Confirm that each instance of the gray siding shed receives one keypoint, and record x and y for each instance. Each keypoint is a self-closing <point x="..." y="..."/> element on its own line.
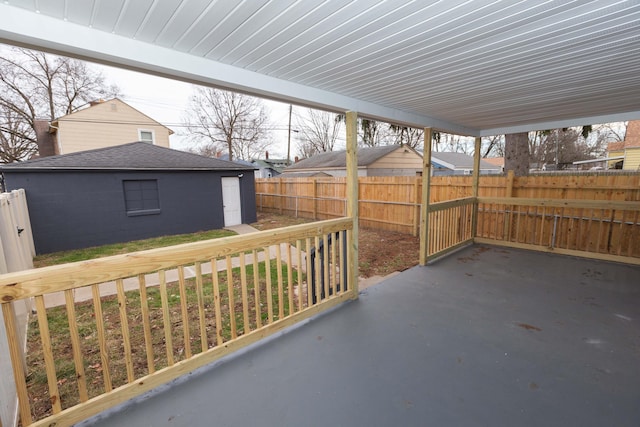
<point x="78" y="200"/>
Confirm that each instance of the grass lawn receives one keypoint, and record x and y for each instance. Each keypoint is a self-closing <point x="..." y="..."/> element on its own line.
<point x="64" y="257"/>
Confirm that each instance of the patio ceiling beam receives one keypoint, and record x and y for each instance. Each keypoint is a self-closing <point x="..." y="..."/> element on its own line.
<point x="32" y="30"/>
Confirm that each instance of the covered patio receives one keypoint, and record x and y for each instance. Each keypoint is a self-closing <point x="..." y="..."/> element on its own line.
<point x="489" y="336"/>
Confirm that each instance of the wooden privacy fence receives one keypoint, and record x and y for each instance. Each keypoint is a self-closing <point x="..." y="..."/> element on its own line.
<point x="16" y="240"/>
<point x="393" y="203"/>
<point x="155" y="315"/>
<point x="16" y="253"/>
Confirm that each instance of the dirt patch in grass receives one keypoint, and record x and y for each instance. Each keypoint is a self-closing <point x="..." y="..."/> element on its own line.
<point x="381" y="252"/>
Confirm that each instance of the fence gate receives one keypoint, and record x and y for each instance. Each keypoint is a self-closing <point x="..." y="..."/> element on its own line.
<point x="16" y="253"/>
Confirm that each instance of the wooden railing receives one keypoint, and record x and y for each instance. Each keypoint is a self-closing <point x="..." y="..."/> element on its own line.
<point x="128" y="323"/>
<point x="450" y="226"/>
<point x="608" y="230"/>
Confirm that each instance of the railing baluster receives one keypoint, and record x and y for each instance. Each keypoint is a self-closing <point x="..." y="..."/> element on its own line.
<point x="598" y="244"/>
<point x="325" y="259"/>
<point x="256" y="288"/>
<point x="232" y="299"/>
<point x="245" y="294"/>
<point x="17" y="362"/>
<point x="124" y="327"/>
<point x="280" y="284"/>
<point x="47" y="351"/>
<point x="269" y="290"/>
<point x="542" y="221"/>
<point x="166" y="317"/>
<point x="299" y="267"/>
<point x="204" y="342"/>
<point x="146" y="324"/>
<point x="102" y="341"/>
<point x="75" y="345"/>
<point x="623" y="222"/>
<point x="309" y="271"/>
<point x="334" y="270"/>
<point x="215" y="279"/>
<point x="318" y="271"/>
<point x="634" y="227"/>
<point x="184" y="309"/>
<point x="290" y="279"/>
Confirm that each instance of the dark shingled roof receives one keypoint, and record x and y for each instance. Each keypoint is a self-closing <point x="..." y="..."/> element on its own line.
<point x="338" y="159"/>
<point x="132" y="156"/>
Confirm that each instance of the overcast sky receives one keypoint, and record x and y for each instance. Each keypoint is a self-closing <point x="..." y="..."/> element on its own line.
<point x="165" y="100"/>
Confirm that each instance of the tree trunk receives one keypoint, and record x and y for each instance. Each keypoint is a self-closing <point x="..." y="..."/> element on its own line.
<point x="516" y="153"/>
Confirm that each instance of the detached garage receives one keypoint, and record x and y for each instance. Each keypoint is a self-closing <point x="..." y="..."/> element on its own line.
<point x="129" y="192"/>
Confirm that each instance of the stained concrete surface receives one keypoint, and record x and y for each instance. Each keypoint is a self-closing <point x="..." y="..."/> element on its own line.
<point x="486" y="337"/>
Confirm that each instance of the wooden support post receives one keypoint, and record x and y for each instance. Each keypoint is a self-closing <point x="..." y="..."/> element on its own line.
<point x="476" y="182"/>
<point x="426" y="190"/>
<point x="352" y="200"/>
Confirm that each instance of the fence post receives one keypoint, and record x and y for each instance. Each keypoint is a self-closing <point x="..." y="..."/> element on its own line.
<point x="314" y="194"/>
<point x="281" y="193"/>
<point x="509" y="187"/>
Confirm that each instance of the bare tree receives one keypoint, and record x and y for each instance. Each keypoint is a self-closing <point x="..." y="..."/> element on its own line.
<point x="493" y="146"/>
<point x="454" y="143"/>
<point x="371" y="133"/>
<point x="318" y="131"/>
<point x="12" y="147"/>
<point x="230" y="121"/>
<point x="35" y="85"/>
<point x="412" y="137"/>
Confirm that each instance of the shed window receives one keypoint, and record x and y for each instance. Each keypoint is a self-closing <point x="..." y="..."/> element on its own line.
<point x="141" y="197"/>
<point x="146" y="136"/>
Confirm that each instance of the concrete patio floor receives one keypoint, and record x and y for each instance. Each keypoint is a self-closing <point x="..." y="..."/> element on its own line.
<point x="486" y="337"/>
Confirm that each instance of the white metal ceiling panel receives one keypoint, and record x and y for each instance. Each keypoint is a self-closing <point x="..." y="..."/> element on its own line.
<point x="78" y="11"/>
<point x="468" y="66"/>
<point x="106" y="14"/>
<point x="132" y="17"/>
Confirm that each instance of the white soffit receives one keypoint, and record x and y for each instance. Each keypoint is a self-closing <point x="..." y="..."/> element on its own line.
<point x="475" y="67"/>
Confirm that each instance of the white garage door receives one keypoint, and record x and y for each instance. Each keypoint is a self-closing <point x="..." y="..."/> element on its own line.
<point x="231" y="201"/>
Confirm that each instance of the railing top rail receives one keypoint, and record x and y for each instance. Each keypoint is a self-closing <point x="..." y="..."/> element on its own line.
<point x="451" y="203"/>
<point x="563" y="203"/>
<point x="28" y="283"/>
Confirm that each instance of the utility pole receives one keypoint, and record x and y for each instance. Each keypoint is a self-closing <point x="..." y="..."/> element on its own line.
<point x="289" y="138"/>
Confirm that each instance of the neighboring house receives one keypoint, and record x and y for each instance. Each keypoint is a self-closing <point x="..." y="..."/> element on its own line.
<point x="128" y="192"/>
<point x="625" y="155"/>
<point x="449" y="163"/>
<point x="269" y="168"/>
<point x="495" y="161"/>
<point x="377" y="161"/>
<point x="101" y="124"/>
